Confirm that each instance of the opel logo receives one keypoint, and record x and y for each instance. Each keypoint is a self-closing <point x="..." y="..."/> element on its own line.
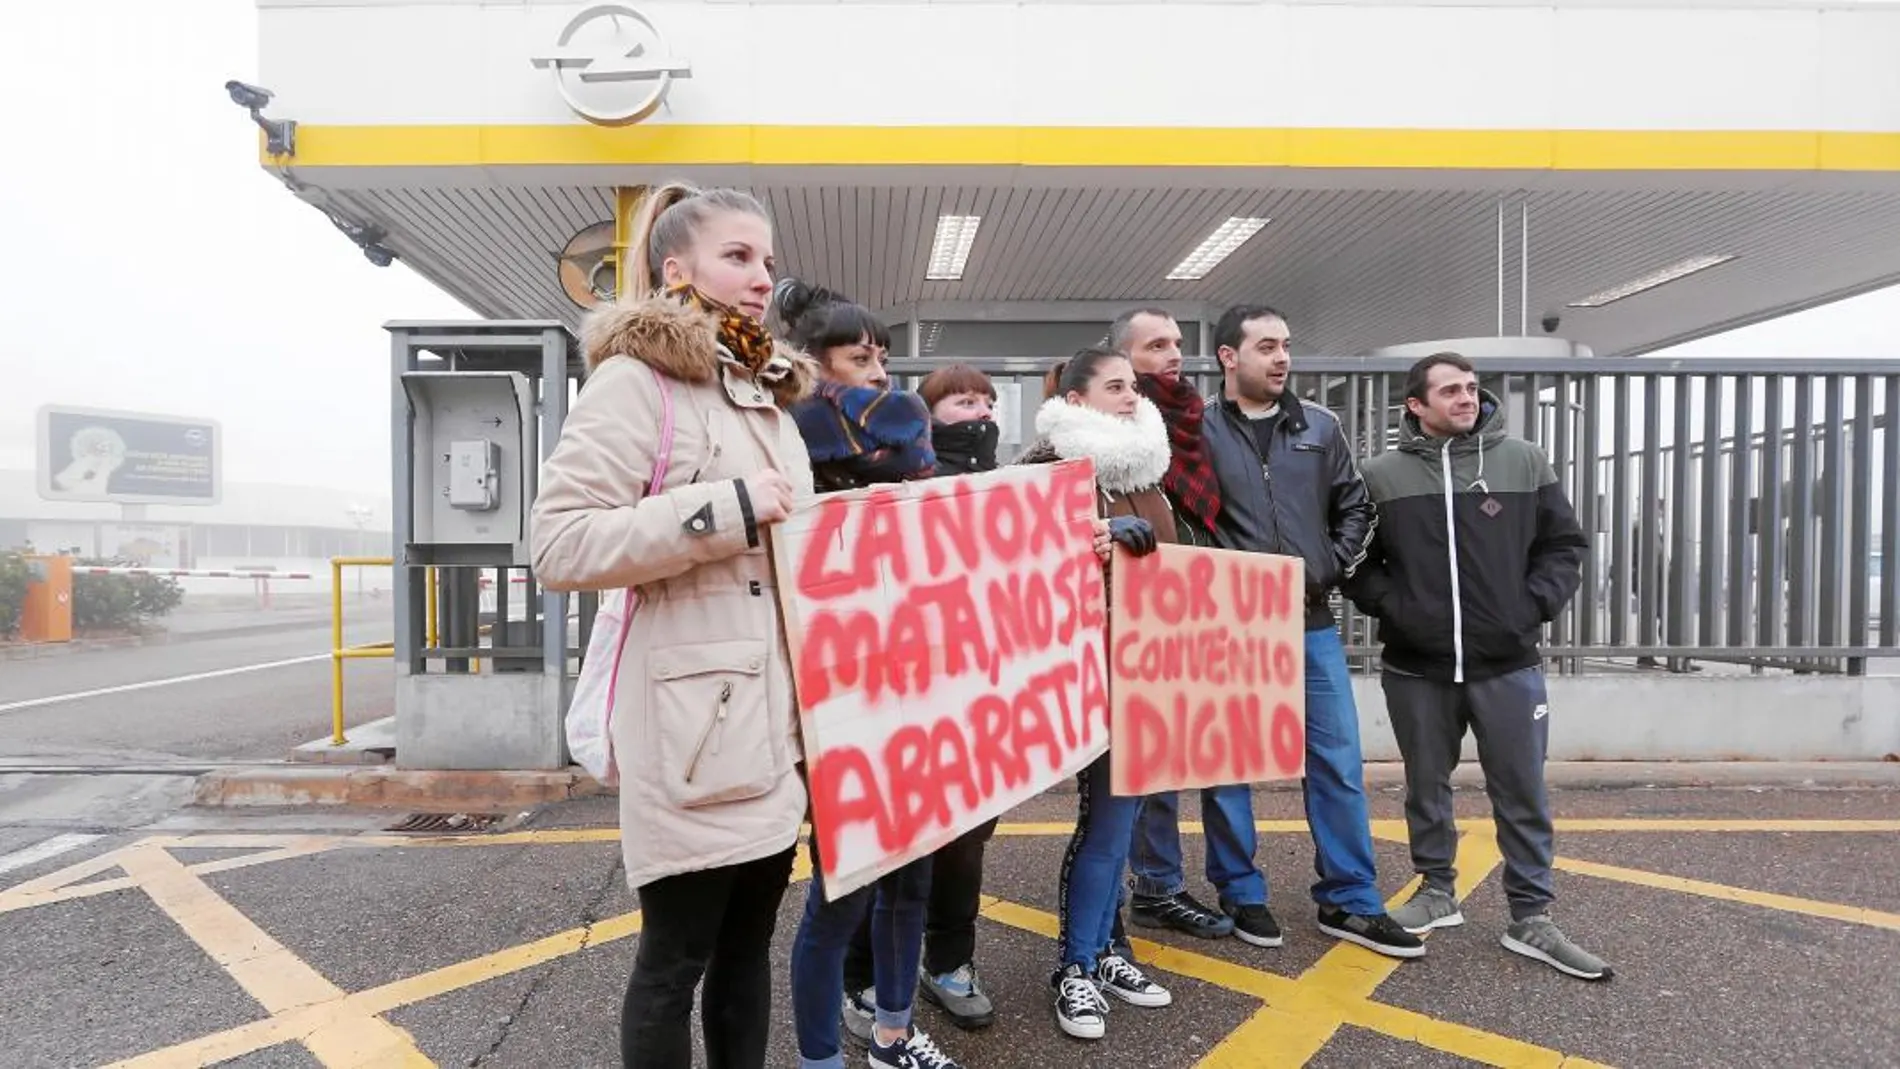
<point x="633" y="53"/>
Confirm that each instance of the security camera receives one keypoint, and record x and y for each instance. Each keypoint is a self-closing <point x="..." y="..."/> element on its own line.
<point x="280" y="135"/>
<point x="247" y="96"/>
<point x="1551" y="321"/>
<point x="378" y="255"/>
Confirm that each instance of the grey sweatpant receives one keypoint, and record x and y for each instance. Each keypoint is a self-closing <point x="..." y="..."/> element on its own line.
<point x="1510" y="715"/>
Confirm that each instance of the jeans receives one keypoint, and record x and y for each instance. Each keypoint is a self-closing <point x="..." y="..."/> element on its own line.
<point x="1335" y="796"/>
<point x="956" y="893"/>
<point x="896" y="905"/>
<point x="716" y="923"/>
<point x="1090" y="888"/>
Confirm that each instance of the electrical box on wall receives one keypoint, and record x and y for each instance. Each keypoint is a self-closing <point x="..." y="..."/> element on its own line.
<point x="474" y="449"/>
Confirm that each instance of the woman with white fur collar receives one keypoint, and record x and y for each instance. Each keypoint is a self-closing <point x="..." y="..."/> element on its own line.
<point x="1093" y="411"/>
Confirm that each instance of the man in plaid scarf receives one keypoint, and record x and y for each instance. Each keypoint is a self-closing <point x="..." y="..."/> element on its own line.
<point x="1151" y="340"/>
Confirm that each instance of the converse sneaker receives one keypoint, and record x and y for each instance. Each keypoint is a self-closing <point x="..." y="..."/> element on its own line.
<point x="1116" y="976"/>
<point x="860" y="1013"/>
<point x="1254" y="923"/>
<point x="1428" y="908"/>
<point x="915" y="1051"/>
<point x="960" y="995"/>
<point x="1081" y="1011"/>
<point x="1377" y="932"/>
<point x="1182" y="913"/>
<point x="1539" y="939"/>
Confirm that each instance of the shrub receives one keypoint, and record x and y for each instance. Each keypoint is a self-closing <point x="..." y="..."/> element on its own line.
<point x="13" y="572"/>
<point x="121" y="601"/>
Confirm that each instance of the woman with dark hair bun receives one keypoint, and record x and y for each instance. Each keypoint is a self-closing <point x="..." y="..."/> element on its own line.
<point x="858" y="430"/>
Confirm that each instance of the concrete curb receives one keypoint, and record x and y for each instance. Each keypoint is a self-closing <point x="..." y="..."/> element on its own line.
<point x="156" y="638"/>
<point x="1629" y="775"/>
<point x="392" y="788"/>
<point x="496" y="791"/>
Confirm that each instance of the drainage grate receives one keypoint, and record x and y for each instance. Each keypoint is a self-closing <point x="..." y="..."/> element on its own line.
<point x="448" y="823"/>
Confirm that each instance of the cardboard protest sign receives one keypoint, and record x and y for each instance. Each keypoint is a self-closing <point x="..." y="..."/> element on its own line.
<point x="1207" y="669"/>
<point x="948" y="648"/>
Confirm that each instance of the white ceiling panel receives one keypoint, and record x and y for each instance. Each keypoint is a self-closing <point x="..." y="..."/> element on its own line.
<point x="1354" y="269"/>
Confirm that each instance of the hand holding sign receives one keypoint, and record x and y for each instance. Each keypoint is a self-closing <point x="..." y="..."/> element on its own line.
<point x="771" y="495"/>
<point x="1206" y="669"/>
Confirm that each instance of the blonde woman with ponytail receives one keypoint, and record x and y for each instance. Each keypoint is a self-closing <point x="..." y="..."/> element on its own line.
<point x="704" y="724"/>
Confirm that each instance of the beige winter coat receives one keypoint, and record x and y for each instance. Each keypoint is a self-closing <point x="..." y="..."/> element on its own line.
<point x="705" y="730"/>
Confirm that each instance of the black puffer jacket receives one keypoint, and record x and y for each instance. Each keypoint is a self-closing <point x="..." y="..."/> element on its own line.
<point x="1305" y="499"/>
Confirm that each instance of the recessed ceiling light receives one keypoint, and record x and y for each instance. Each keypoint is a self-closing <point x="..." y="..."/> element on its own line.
<point x="1655" y="278"/>
<point x="950" y="249"/>
<point x="1218" y="246"/>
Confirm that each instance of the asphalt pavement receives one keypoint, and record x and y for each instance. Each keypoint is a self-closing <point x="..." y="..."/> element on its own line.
<point x="1748" y="928"/>
<point x="143" y="720"/>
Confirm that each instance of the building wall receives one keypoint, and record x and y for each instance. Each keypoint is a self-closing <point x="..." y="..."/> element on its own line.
<point x="1288" y="66"/>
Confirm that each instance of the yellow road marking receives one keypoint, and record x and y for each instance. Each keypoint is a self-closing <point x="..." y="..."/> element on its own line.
<point x="346" y="1026"/>
<point x="1344" y="977"/>
<point x="61" y="886"/>
<point x="285" y="1027"/>
<point x="1786" y="903"/>
<point x="1292" y="1005"/>
<point x="1805" y="826"/>
<point x="278" y="979"/>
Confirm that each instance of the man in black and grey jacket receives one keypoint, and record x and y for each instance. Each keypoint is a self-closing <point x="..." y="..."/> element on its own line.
<point x="1477" y="548"/>
<point x="1288" y="485"/>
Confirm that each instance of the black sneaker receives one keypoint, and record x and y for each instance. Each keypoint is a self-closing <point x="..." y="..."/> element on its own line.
<point x="1254" y="923"/>
<point x="1081" y="1011"/>
<point x="915" y="1051"/>
<point x="1378" y="933"/>
<point x="1119" y="977"/>
<point x="1182" y="913"/>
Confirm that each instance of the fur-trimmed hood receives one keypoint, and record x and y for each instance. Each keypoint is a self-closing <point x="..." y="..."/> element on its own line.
<point x="679" y="342"/>
<point x="1130" y="455"/>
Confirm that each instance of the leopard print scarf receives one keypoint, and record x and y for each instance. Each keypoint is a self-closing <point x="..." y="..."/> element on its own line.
<point x="747" y="341"/>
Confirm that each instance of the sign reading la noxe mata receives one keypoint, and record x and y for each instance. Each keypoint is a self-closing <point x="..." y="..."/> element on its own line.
<point x="1207" y="669"/>
<point x="948" y="648"/>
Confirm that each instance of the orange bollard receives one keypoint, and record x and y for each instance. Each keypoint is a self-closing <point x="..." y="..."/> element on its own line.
<point x="47" y="615"/>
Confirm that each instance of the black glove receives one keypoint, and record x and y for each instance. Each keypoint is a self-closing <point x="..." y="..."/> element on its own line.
<point x="1132" y="532"/>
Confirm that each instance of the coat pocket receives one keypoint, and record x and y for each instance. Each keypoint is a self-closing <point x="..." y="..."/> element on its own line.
<point x="712" y="718"/>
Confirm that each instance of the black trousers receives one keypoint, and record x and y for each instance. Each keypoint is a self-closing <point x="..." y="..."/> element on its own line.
<point x="716" y="924"/>
<point x="956" y="890"/>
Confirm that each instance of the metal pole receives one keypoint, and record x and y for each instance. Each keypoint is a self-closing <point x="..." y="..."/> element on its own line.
<point x="553" y="415"/>
<point x="1524" y="268"/>
<point x="402" y="509"/>
<point x="336" y="654"/>
<point x="1500" y="267"/>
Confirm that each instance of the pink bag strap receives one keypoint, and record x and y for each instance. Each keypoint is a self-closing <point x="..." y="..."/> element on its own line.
<point x="654" y="486"/>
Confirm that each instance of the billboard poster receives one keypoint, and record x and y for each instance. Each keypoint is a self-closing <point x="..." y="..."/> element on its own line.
<point x="128" y="458"/>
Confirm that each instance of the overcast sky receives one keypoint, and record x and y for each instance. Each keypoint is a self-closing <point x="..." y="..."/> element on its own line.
<point x="148" y="263"/>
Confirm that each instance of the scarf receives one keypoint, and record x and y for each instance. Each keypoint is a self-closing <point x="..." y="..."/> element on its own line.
<point x="745" y="340"/>
<point x="1190" y="480"/>
<point x="965" y="448"/>
<point x="1130" y="455"/>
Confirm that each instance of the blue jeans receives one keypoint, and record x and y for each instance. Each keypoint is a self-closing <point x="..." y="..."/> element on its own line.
<point x="1335" y="808"/>
<point x="1090" y="886"/>
<point x="897" y="906"/>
